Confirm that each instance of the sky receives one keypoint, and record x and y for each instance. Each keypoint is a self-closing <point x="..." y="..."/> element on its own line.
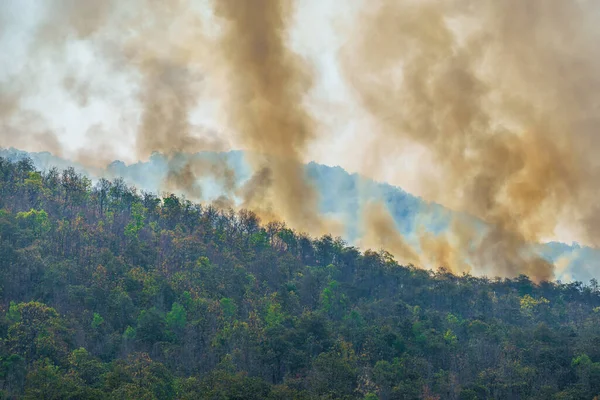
<point x="72" y="121"/>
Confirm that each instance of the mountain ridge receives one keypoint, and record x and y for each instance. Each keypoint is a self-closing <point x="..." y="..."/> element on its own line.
<point x="340" y="195"/>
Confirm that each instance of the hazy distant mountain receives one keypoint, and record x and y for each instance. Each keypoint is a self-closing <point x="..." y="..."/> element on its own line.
<point x="341" y="195"/>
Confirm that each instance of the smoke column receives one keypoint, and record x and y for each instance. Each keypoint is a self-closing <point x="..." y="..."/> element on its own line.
<point x="267" y="85"/>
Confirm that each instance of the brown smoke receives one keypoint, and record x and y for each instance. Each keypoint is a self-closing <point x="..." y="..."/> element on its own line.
<point x="159" y="48"/>
<point x="380" y="232"/>
<point x="503" y="94"/>
<point x="268" y="83"/>
<point x="185" y="178"/>
<point x="451" y="249"/>
<point x="21" y="128"/>
<point x="167" y="98"/>
<point x="254" y="190"/>
<point x="168" y="50"/>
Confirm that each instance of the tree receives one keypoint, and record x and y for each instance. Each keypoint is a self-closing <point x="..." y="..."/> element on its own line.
<point x="334" y="373"/>
<point x="38" y="333"/>
<point x="176" y="319"/>
<point x="150" y="326"/>
<point x="140" y="377"/>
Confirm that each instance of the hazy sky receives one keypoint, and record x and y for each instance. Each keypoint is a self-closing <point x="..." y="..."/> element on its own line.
<point x="116" y="110"/>
<point x="114" y="113"/>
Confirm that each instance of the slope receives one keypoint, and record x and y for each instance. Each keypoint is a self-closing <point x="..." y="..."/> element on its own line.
<point x="109" y="293"/>
<point x="341" y="196"/>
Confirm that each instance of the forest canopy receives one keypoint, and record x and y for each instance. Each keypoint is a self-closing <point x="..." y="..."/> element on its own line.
<point x="107" y="292"/>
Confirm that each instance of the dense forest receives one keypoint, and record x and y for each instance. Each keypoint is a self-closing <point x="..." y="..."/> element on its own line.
<point x="107" y="292"/>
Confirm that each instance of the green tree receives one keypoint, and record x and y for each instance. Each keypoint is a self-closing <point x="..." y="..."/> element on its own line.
<point x="38" y="333"/>
<point x="150" y="326"/>
<point x="35" y="220"/>
<point x="176" y="319"/>
<point x="97" y="321"/>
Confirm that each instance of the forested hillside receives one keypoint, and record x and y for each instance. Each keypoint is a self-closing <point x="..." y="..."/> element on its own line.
<point x="106" y="292"/>
<point x="342" y="196"/>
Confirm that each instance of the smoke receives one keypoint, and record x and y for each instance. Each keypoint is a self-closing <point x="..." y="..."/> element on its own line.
<point x="503" y="95"/>
<point x="155" y="51"/>
<point x="19" y="127"/>
<point x="162" y="57"/>
<point x="185" y="174"/>
<point x="23" y="128"/>
<point x="267" y="86"/>
<point x="380" y="232"/>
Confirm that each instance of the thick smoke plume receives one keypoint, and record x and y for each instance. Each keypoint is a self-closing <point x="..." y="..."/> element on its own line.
<point x="165" y="51"/>
<point x="504" y="96"/>
<point x="268" y="83"/>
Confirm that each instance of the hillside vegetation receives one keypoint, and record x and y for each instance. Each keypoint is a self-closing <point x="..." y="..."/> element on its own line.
<point x="106" y="292"/>
<point x="342" y="196"/>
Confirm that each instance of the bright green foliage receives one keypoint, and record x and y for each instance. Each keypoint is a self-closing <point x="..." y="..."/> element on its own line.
<point x="35" y="220"/>
<point x="108" y="293"/>
<point x="97" y="321"/>
<point x="333" y="300"/>
<point x="450" y="337"/>
<point x="176" y="319"/>
<point x="137" y="220"/>
<point x="259" y="240"/>
<point x="529" y="304"/>
<point x="129" y="333"/>
<point x="274" y="315"/>
<point x="581" y="361"/>
<point x="452" y="319"/>
<point x="14" y="312"/>
<point x="34" y="181"/>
